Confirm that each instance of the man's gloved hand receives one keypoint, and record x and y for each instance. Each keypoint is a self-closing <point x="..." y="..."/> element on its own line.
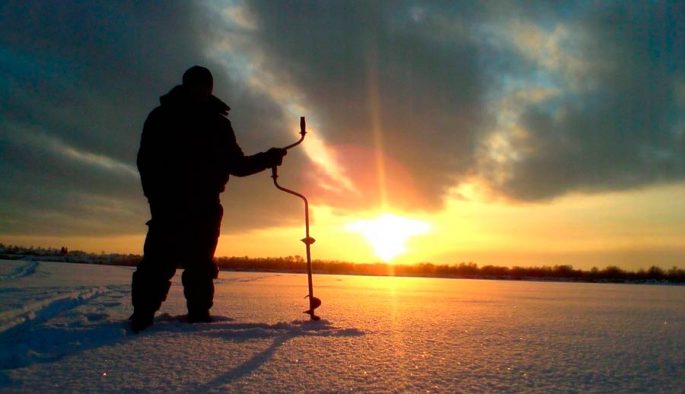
<point x="274" y="156"/>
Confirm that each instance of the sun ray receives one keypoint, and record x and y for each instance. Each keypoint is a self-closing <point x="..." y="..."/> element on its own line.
<point x="376" y="124"/>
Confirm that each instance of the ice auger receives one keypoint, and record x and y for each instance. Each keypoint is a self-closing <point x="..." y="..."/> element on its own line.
<point x="308" y="240"/>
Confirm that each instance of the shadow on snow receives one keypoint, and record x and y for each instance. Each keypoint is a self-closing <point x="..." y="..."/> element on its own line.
<point x="44" y="342"/>
<point x="225" y="328"/>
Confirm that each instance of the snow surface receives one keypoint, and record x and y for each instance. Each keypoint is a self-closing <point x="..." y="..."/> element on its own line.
<point x="63" y="329"/>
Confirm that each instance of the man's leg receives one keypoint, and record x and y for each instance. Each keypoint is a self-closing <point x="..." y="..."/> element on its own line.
<point x="200" y="269"/>
<point x="198" y="288"/>
<point x="151" y="280"/>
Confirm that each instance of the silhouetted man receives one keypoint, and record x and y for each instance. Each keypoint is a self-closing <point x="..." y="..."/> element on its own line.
<point x="187" y="151"/>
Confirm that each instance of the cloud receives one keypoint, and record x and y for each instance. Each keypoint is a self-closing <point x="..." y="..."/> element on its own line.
<point x="610" y="119"/>
<point x="536" y="101"/>
<point x="405" y="100"/>
<point x="52" y="188"/>
<point x="402" y="80"/>
<point x="79" y="80"/>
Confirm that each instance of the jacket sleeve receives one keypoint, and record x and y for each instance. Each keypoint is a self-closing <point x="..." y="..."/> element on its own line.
<point x="241" y="165"/>
<point x="147" y="159"/>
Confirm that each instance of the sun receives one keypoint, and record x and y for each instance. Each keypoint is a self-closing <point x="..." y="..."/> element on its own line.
<point x="388" y="233"/>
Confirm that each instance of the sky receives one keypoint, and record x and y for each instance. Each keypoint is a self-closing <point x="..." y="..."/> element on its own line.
<point x="495" y="132"/>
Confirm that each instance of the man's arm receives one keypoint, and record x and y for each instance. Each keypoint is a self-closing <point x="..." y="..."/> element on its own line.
<point x="241" y="165"/>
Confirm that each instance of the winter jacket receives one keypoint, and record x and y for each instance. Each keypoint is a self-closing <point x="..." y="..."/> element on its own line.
<point x="188" y="149"/>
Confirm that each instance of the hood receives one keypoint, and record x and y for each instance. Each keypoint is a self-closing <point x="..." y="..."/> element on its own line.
<point x="178" y="97"/>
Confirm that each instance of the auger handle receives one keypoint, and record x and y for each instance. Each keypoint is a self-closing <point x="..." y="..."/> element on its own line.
<point x="303" y="131"/>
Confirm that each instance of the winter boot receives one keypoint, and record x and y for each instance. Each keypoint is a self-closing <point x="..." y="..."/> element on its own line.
<point x="199" y="316"/>
<point x="141" y="320"/>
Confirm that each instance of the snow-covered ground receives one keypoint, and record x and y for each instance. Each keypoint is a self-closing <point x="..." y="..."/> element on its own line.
<point x="63" y="328"/>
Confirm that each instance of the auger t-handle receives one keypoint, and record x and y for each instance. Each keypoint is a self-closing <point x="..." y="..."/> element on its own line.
<point x="303" y="132"/>
<point x="308" y="241"/>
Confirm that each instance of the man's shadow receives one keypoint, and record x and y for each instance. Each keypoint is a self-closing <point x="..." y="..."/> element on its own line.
<point x="36" y="343"/>
<point x="280" y="333"/>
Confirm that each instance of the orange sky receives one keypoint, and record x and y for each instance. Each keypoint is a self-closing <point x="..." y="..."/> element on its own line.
<point x="630" y="229"/>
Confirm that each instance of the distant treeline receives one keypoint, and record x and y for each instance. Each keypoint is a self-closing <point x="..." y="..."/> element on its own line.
<point x="296" y="264"/>
<point x="13" y="252"/>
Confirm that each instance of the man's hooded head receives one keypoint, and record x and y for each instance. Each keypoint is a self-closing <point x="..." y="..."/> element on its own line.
<point x="198" y="82"/>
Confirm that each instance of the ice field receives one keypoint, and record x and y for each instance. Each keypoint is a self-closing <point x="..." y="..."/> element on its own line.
<point x="63" y="328"/>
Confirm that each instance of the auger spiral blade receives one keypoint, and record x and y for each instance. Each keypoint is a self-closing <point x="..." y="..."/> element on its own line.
<point x="313" y="304"/>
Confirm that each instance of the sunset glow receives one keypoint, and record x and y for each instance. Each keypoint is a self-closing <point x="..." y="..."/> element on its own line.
<point x="388" y="233"/>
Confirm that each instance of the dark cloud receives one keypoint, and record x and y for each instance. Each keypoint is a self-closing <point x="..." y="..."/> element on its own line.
<point x="427" y="75"/>
<point x="421" y="87"/>
<point x="410" y="72"/>
<point x="78" y="81"/>
<point x="625" y="128"/>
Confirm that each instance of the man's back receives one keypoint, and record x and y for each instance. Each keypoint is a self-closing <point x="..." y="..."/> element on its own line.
<point x="186" y="149"/>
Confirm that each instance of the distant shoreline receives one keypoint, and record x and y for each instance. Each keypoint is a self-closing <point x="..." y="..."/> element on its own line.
<point x="507" y="278"/>
<point x="296" y="265"/>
